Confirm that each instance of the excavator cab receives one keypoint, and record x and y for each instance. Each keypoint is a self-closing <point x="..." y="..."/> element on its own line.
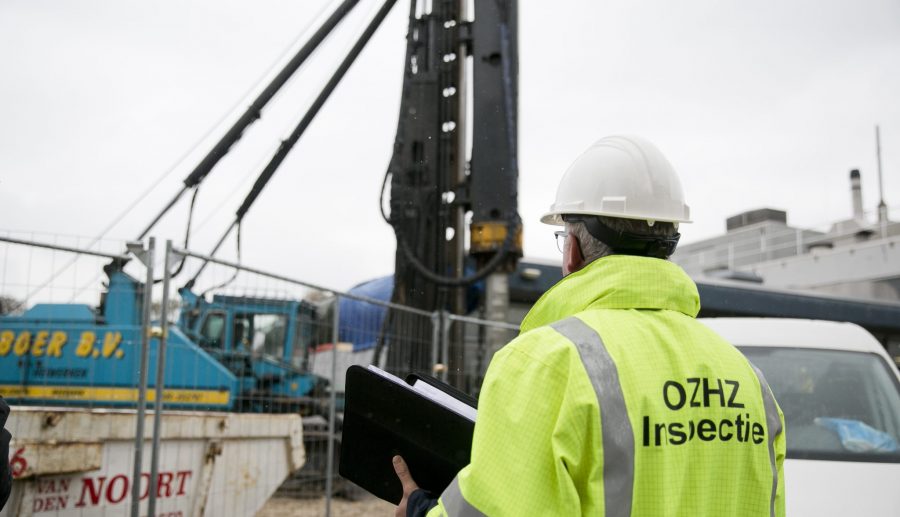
<point x="264" y="342"/>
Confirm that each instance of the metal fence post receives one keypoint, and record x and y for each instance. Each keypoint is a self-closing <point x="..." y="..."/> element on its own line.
<point x="146" y="256"/>
<point x="160" y="380"/>
<point x="445" y="348"/>
<point x="329" y="468"/>
<point x="436" y="358"/>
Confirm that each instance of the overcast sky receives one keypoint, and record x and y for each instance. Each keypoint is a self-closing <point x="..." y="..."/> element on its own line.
<point x="756" y="104"/>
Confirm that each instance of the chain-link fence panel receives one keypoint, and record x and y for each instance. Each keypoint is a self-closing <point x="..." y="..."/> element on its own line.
<point x="249" y="366"/>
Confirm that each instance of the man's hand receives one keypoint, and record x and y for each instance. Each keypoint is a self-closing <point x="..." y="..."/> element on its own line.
<point x="406" y="480"/>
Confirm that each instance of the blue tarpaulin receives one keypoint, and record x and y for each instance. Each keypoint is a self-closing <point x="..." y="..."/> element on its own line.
<point x="361" y="321"/>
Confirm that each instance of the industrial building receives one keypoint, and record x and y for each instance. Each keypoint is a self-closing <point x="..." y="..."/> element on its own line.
<point x="855" y="258"/>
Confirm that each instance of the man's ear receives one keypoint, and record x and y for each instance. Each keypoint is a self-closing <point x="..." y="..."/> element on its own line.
<point x="572" y="258"/>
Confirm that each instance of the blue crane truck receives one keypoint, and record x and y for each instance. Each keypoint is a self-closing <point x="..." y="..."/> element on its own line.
<point x="228" y="354"/>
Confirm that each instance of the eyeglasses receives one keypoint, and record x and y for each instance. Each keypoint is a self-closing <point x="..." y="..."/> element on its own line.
<point x="561" y="237"/>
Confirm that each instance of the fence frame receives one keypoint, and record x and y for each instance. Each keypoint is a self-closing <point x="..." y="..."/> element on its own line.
<point x="440" y="320"/>
<point x="146" y="254"/>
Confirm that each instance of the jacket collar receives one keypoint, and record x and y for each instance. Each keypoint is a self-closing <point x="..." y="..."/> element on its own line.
<point x="617" y="282"/>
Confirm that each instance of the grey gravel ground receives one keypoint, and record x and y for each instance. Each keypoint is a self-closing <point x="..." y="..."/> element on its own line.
<point x="285" y="507"/>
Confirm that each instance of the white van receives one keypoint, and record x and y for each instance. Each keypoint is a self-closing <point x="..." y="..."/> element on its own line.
<point x="840" y="394"/>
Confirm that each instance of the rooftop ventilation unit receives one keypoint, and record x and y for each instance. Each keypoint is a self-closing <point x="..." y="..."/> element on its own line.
<point x="759" y="215"/>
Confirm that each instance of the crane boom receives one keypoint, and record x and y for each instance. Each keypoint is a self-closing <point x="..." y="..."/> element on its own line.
<point x="254" y="111"/>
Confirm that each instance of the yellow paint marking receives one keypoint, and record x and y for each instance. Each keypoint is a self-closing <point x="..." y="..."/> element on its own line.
<point x="87" y="393"/>
<point x="54" y="349"/>
<point x="86" y="345"/>
<point x="6" y="340"/>
<point x="40" y="341"/>
<point x="23" y="341"/>
<point x="110" y="342"/>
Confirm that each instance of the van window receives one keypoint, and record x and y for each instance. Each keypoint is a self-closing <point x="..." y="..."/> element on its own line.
<point x="837" y="405"/>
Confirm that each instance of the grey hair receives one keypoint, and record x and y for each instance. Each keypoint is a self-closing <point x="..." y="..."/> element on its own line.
<point x="592" y="249"/>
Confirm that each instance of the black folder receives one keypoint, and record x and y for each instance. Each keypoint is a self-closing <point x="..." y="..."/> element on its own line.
<point x="383" y="418"/>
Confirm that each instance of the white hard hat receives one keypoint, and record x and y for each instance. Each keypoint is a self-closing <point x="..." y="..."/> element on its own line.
<point x="620" y="176"/>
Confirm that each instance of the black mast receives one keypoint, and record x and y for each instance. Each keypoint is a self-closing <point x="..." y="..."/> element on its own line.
<point x="428" y="193"/>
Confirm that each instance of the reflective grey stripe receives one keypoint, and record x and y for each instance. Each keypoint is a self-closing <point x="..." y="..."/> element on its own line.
<point x="773" y="424"/>
<point x="618" y="437"/>
<point x="455" y="503"/>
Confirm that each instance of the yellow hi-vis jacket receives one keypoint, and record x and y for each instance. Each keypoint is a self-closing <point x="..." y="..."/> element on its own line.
<point x="615" y="401"/>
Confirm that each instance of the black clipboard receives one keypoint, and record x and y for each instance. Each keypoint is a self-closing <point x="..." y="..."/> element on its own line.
<point x="383" y="418"/>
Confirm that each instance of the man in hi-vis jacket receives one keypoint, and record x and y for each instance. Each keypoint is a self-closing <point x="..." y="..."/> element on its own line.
<point x="614" y="400"/>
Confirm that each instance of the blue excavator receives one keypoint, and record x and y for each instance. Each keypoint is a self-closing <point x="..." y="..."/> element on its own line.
<point x="229" y="353"/>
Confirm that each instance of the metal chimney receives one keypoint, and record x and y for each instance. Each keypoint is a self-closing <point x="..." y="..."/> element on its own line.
<point x="882" y="207"/>
<point x="856" y="193"/>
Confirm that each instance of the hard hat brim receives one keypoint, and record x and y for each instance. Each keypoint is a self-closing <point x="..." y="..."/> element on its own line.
<point x="555" y="218"/>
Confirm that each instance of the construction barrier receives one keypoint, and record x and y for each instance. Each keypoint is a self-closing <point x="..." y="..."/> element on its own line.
<point x="248" y="365"/>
